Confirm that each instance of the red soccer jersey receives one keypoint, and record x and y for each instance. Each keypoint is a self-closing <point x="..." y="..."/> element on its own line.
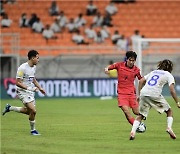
<point x="126" y="77"/>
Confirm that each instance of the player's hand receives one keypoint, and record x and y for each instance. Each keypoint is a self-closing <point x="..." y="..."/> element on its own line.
<point x="33" y="89"/>
<point x="106" y="70"/>
<point x="178" y="104"/>
<point x="42" y="91"/>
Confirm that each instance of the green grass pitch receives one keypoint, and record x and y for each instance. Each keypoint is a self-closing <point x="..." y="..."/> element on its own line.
<point x="85" y="126"/>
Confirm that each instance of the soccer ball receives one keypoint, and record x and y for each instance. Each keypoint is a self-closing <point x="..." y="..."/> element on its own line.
<point x="141" y="128"/>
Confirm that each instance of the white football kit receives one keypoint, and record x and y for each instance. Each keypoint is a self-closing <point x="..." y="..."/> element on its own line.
<point x="27" y="74"/>
<point x="150" y="95"/>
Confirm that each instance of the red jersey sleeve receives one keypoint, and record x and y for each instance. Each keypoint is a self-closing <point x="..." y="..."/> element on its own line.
<point x="138" y="74"/>
<point x="113" y="66"/>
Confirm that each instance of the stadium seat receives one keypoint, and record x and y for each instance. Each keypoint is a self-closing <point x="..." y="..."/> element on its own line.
<point x="155" y="19"/>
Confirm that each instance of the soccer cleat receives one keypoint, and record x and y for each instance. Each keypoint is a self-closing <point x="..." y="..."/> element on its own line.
<point x="132" y="136"/>
<point x="35" y="132"/>
<point x="6" y="109"/>
<point x="171" y="133"/>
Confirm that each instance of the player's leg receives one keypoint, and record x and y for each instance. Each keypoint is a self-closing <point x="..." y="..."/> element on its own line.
<point x="123" y="103"/>
<point x="136" y="123"/>
<point x="24" y="97"/>
<point x="135" y="110"/>
<point x="161" y="105"/>
<point x="144" y="108"/>
<point x="9" y="108"/>
<point x="127" y="114"/>
<point x="32" y="113"/>
<point x="29" y="103"/>
<point x="169" y="124"/>
<point x="134" y="105"/>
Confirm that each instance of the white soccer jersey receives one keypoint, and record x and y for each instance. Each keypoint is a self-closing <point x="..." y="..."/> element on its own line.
<point x="155" y="81"/>
<point x="27" y="74"/>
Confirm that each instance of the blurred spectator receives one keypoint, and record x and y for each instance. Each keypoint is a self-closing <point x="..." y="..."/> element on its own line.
<point x="115" y="37"/>
<point x="6" y="22"/>
<point x="111" y="8"/>
<point x="80" y="21"/>
<point x="91" y="8"/>
<point x="105" y="33"/>
<point x="2" y="11"/>
<point x="98" y="19"/>
<point x="124" y="1"/>
<point x="145" y="45"/>
<point x="71" y="26"/>
<point x="33" y="19"/>
<point x="62" y="19"/>
<point x="23" y="21"/>
<point x="54" y="9"/>
<point x="55" y="26"/>
<point x="135" y="36"/>
<point x="90" y="32"/>
<point x="10" y="1"/>
<point x="107" y="20"/>
<point x="78" y="38"/>
<point x="48" y="33"/>
<point x="122" y="43"/>
<point x="99" y="39"/>
<point x="38" y="26"/>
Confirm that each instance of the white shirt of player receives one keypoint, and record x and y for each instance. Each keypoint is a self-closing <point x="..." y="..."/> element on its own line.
<point x="27" y="74"/>
<point x="155" y="81"/>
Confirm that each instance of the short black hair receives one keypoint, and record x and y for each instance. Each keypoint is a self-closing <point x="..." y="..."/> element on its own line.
<point x="32" y="53"/>
<point x="131" y="54"/>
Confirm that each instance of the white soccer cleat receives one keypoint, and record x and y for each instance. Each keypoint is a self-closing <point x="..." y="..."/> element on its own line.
<point x="171" y="133"/>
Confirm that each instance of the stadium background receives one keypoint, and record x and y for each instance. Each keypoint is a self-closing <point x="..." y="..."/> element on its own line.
<point x="78" y="68"/>
<point x="85" y="125"/>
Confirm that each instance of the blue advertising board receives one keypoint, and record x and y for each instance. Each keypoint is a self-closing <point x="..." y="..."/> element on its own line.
<point x="64" y="88"/>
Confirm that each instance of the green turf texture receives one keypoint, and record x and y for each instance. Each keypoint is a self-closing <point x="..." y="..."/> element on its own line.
<point x="85" y="126"/>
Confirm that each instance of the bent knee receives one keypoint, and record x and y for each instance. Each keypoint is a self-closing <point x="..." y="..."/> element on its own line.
<point x="33" y="112"/>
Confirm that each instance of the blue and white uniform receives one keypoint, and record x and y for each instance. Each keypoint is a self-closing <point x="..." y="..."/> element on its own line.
<point x="150" y="94"/>
<point x="27" y="74"/>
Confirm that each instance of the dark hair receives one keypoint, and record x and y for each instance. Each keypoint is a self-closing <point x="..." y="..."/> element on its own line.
<point x="165" y="65"/>
<point x="130" y="54"/>
<point x="32" y="53"/>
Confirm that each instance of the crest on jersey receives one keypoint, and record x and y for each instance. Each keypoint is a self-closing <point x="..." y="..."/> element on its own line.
<point x="20" y="73"/>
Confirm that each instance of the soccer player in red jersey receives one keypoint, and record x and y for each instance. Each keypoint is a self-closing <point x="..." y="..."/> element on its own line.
<point x="127" y="73"/>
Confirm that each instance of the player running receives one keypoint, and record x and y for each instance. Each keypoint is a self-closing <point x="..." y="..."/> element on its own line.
<point x="27" y="85"/>
<point x="150" y="95"/>
<point x="127" y="73"/>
